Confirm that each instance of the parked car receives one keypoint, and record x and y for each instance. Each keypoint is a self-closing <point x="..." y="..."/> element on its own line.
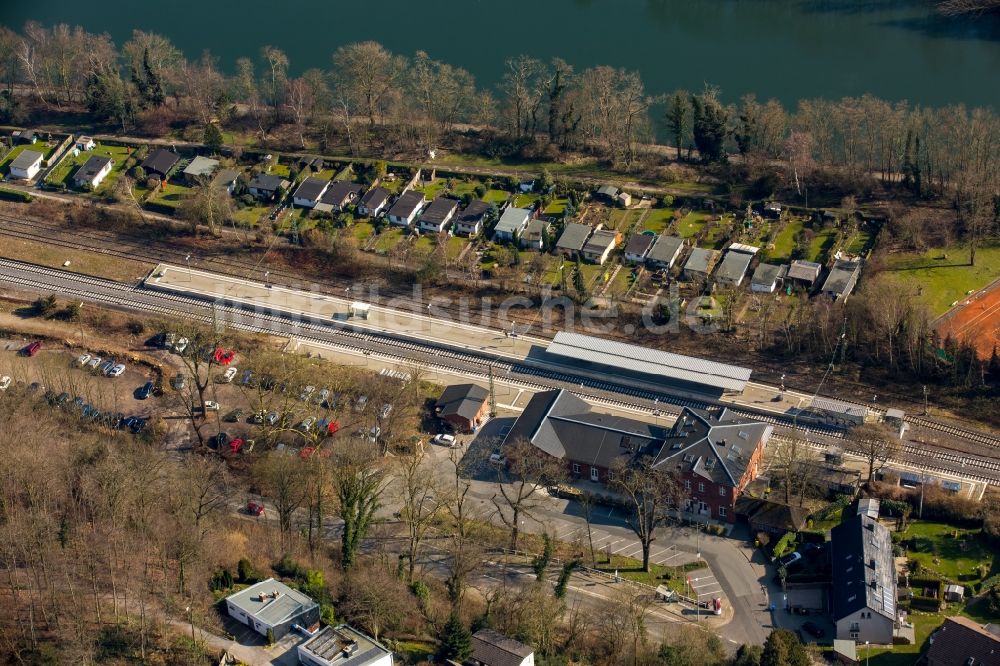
<point x="211" y="406"/>
<point x="497" y="459"/>
<point x="246" y="378"/>
<point x="137" y="425"/>
<point x="374" y="433"/>
<point x="5" y="383"/>
<point x="255" y="509"/>
<point x="307" y="423"/>
<point x="228" y="375"/>
<point x="178" y="382"/>
<point x="385" y="411"/>
<point x="33" y="348"/>
<point x="117" y="371"/>
<point x="145" y="391"/>
<point x="235" y="445"/>
<point x="306" y="392"/>
<point x="813" y="629"/>
<point x="233" y="416"/>
<point x="257" y="418"/>
<point x="83" y="359"/>
<point x="218" y="441"/>
<point x="790" y="560"/>
<point x="180" y="345"/>
<point x="445" y="440"/>
<point x="361" y="403"/>
<point x="168" y="340"/>
<point x="272" y="418"/>
<point x="323" y="394"/>
<point x="94" y="362"/>
<point x="105" y="367"/>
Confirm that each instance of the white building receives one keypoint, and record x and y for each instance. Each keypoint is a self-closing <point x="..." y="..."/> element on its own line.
<point x="93" y="171"/>
<point x="272" y="606"/>
<point x="309" y="191"/>
<point x="26" y="165"/>
<point x="511" y="224"/>
<point x="342" y="646"/>
<point x="406" y="208"/>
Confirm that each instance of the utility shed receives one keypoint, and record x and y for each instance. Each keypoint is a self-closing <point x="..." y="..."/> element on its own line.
<point x="652" y="364"/>
<point x="272" y="605"/>
<point x="700" y="263"/>
<point x="733" y="268"/>
<point x="842" y="278"/>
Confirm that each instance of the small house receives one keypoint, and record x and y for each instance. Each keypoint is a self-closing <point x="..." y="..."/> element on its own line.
<point x="24" y="136"/>
<point x="665" y="251"/>
<point x="624" y="199"/>
<point x="373" y="202"/>
<point x="338" y="196"/>
<point x="842" y="278"/>
<point x="772" y="210"/>
<point x="266" y="186"/>
<point x="491" y="648"/>
<point x="534" y="235"/>
<point x="600" y="245"/>
<point x="26" y="165"/>
<point x="470" y="221"/>
<point x="837" y="412"/>
<point x="437" y="217"/>
<point x="272" y="606"/>
<point x="160" y="162"/>
<point x="405" y="209"/>
<point x="957" y="593"/>
<point x="85" y="143"/>
<point x="526" y="186"/>
<point x="93" y="171"/>
<point x="700" y="264"/>
<point x="226" y="179"/>
<point x="771" y="517"/>
<point x="573" y="238"/>
<point x="512" y="224"/>
<point x="804" y="272"/>
<point x="638" y="247"/>
<point x="310" y="162"/>
<point x="734" y="264"/>
<point x="962" y="641"/>
<point x="863" y="589"/>
<point x="342" y="645"/>
<point x="607" y="193"/>
<point x="464" y="406"/>
<point x="767" y="277"/>
<point x="309" y="191"/>
<point x="199" y="170"/>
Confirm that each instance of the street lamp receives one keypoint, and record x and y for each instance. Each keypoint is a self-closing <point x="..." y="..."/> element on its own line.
<point x="187" y="261"/>
<point x="868" y="653"/>
<point x="782" y="385"/>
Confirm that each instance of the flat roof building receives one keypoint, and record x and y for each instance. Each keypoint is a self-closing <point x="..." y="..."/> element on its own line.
<point x="342" y="646"/>
<point x="272" y="605"/>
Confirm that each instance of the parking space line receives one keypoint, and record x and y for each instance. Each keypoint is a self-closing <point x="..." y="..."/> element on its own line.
<point x="628" y="545"/>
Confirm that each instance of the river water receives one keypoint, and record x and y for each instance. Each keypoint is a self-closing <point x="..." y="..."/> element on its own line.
<point x="786" y="49"/>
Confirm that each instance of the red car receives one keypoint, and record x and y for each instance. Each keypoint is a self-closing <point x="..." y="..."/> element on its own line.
<point x="255" y="509"/>
<point x="33" y="348"/>
<point x="236" y="445"/>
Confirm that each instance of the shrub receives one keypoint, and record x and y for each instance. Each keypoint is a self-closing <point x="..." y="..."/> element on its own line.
<point x="289" y="568"/>
<point x="929" y="604"/>
<point x="15" y="195"/>
<point x="784" y="545"/>
<point x="245" y="573"/>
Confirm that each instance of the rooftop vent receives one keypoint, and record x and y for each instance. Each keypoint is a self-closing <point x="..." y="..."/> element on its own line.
<point x="710" y="464"/>
<point x="744" y="434"/>
<point x="721" y="442"/>
<point x="870" y="527"/>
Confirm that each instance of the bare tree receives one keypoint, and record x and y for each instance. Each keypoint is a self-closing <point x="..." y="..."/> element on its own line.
<point x="358" y="483"/>
<point x="420" y="501"/>
<point x="651" y="493"/>
<point x="367" y="74"/>
<point x="280" y="477"/>
<point x="521" y="485"/>
<point x="786" y="458"/>
<point x="875" y="443"/>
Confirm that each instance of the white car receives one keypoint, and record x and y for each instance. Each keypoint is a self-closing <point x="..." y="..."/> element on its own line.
<point x="107" y="367"/>
<point x="94" y="362"/>
<point x="445" y="440"/>
<point x="117" y="371"/>
<point x="229" y="374"/>
<point x="180" y="345"/>
<point x="306" y="392"/>
<point x="211" y="406"/>
<point x="83" y="359"/>
<point x="497" y="459"/>
<point x="307" y="423"/>
<point x="4" y="383"/>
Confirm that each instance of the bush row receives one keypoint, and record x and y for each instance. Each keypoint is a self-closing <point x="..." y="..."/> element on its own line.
<point x="15" y="195"/>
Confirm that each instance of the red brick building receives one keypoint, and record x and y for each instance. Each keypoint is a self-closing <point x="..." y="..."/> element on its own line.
<point x="464" y="406"/>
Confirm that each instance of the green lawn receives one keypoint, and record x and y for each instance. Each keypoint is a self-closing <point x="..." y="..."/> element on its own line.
<point x="858" y="243"/>
<point x="455" y="246"/>
<point x="924" y="625"/>
<point x="944" y="276"/>
<point x="784" y="241"/>
<point x="658" y="219"/>
<point x="38" y="147"/>
<point x="526" y="200"/>
<point x="952" y="558"/>
<point x="171" y="194"/>
<point x="556" y="207"/>
<point x="388" y="239"/>
<point x="362" y="231"/>
<point x="821" y="245"/>
<point x="496" y="196"/>
<point x="716" y="237"/>
<point x="280" y="170"/>
<point x="432" y="190"/>
<point x="623" y="219"/>
<point x="631" y="569"/>
<point x="251" y="215"/>
<point x="68" y="167"/>
<point x="691" y="224"/>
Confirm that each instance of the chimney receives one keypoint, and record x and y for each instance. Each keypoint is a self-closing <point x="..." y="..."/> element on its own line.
<point x="722" y="442"/>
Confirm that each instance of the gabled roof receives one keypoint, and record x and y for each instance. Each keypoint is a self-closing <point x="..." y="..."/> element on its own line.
<point x="201" y="166"/>
<point x="438" y="210"/>
<point x="374" y="197"/>
<point x="804" y="270"/>
<point x="473" y="213"/>
<point x="492" y="648"/>
<point x="513" y="220"/>
<point x="609" y="191"/>
<point x="26" y="160"/>
<point x="278" y="603"/>
<point x="963" y="642"/>
<point x="534" y="229"/>
<point x="701" y="260"/>
<point x="600" y="241"/>
<point x="311" y="189"/>
<point x="714" y="444"/>
<point x="639" y="244"/>
<point x="776" y="515"/>
<point x="341" y="193"/>
<point x="225" y="177"/>
<point x="734" y="266"/>
<point x="160" y="161"/>
<point x="574" y="236"/>
<point x="666" y="249"/>
<point x="856" y="545"/>
<point x="92" y="167"/>
<point x="267" y="182"/>
<point x="464" y="400"/>
<point x="407" y="203"/>
<point x="767" y="274"/>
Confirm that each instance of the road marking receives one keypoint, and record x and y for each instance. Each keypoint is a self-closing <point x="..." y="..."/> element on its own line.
<point x="628" y="545"/>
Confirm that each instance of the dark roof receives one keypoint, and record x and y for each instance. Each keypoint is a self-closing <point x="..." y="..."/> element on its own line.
<point x="665" y="249"/>
<point x="765" y="513"/>
<point x="311" y="189"/>
<point x="768" y="274"/>
<point x="407" y="203"/>
<point x="92" y="167"/>
<point x="224" y="177"/>
<point x="341" y="193"/>
<point x="639" y="244"/>
<point x="574" y="236"/>
<point x="267" y="182"/>
<point x="438" y="210"/>
<point x="473" y="213"/>
<point x="492" y="648"/>
<point x="842" y="277"/>
<point x="715" y="444"/>
<point x="856" y="544"/>
<point x="463" y="400"/>
<point x="311" y="161"/>
<point x="160" y="161"/>
<point x="374" y="197"/>
<point x="963" y="642"/>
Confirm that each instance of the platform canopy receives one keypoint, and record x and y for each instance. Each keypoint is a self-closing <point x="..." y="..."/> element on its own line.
<point x="661" y="364"/>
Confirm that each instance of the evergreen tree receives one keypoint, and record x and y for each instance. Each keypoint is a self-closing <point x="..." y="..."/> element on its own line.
<point x="709" y="127"/>
<point x="578" y="282"/>
<point x="456" y="640"/>
<point x="678" y="119"/>
<point x="154" y="86"/>
<point x="213" y="138"/>
<point x="783" y="648"/>
<point x="747" y="655"/>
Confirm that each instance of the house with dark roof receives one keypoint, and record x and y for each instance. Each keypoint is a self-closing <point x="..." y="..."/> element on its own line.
<point x="373" y="202"/>
<point x="491" y="648"/>
<point x="265" y="186"/>
<point x="271" y="605"/>
<point x="199" y="170"/>
<point x="406" y="208"/>
<point x="160" y="162"/>
<point x="464" y="406"/>
<point x="767" y="277"/>
<point x="962" y="641"/>
<point x="771" y="517"/>
<point x="511" y="224"/>
<point x="863" y="589"/>
<point x="842" y="278"/>
<point x="26" y="165"/>
<point x="665" y="251"/>
<point x="700" y="264"/>
<point x="638" y="247"/>
<point x="471" y="219"/>
<point x="572" y="239"/>
<point x="338" y="196"/>
<point x="342" y="645"/>
<point x="606" y="192"/>
<point x="436" y="218"/>
<point x="226" y="179"/>
<point x="804" y="272"/>
<point x="93" y="171"/>
<point x="715" y="454"/>
<point x="311" y="162"/>
<point x="24" y="136"/>
<point x="534" y="234"/>
<point x="309" y="191"/>
<point x="600" y="245"/>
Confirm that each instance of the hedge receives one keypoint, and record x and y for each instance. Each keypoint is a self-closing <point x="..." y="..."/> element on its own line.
<point x="930" y="604"/>
<point x="15" y="195"/>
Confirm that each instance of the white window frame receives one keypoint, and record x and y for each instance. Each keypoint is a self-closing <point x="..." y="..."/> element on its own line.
<point x="687" y="484"/>
<point x="595" y="474"/>
<point x="576" y="468"/>
<point x="701" y="486"/>
<point x="722" y="491"/>
<point x="722" y="512"/>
